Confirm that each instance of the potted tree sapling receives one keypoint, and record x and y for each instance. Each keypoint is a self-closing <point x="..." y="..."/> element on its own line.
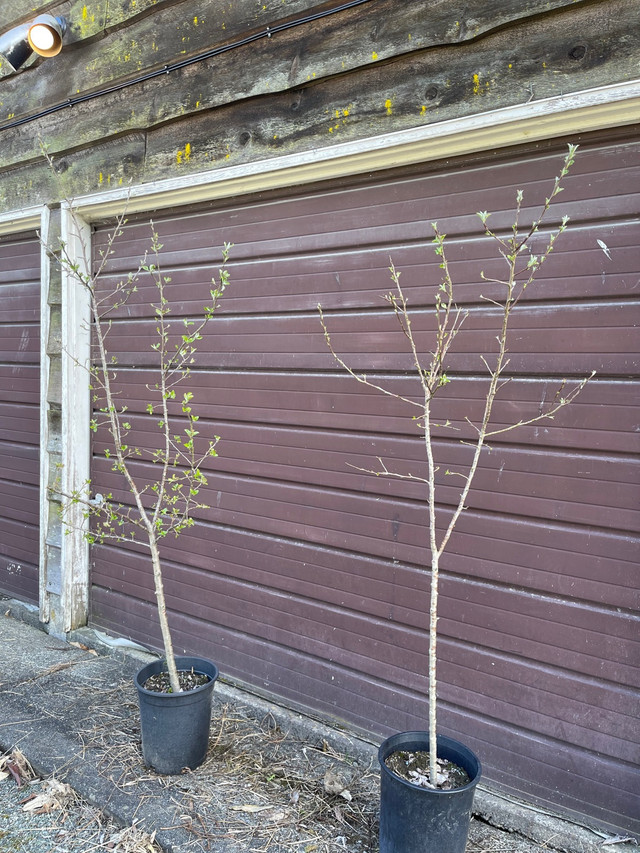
<point x="163" y="482"/>
<point x="427" y="779"/>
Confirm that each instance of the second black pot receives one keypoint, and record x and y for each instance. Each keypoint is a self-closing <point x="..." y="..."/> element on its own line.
<point x="175" y="726"/>
<point x="414" y="819"/>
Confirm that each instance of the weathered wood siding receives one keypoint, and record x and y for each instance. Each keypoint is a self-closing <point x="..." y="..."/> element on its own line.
<point x="19" y="415"/>
<point x="304" y="578"/>
<point x="373" y="68"/>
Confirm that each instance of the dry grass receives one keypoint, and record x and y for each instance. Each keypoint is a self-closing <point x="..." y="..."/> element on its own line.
<point x="16" y="765"/>
<point x="257" y="787"/>
<point x="259" y="790"/>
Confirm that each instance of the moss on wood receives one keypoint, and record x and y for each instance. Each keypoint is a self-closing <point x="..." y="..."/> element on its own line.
<point x="113" y="163"/>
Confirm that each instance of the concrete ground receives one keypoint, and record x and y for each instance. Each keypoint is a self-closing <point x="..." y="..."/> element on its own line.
<point x="74" y="716"/>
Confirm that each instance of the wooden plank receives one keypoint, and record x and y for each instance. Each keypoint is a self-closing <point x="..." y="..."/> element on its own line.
<point x="540" y="558"/>
<point x="579" y="488"/>
<point x="19" y="417"/>
<point x="372" y="644"/>
<point x="234" y="17"/>
<point x="85" y="18"/>
<point x="19" y="384"/>
<point x="602" y="419"/>
<point x="20" y="10"/>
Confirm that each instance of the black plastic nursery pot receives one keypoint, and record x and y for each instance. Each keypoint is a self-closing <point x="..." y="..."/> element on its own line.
<point x="414" y="819"/>
<point x="175" y="726"/>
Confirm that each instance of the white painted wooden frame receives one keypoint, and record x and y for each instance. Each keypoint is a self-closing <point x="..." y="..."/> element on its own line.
<point x="76" y="416"/>
<point x="45" y="459"/>
<point x="24" y="219"/>
<point x="579" y="112"/>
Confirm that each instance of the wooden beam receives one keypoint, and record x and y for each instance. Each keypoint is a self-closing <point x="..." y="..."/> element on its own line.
<point x="506" y="68"/>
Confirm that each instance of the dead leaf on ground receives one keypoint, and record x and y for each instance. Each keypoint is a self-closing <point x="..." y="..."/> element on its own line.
<point x="53" y="795"/>
<point x="336" y="781"/>
<point x="16" y="764"/>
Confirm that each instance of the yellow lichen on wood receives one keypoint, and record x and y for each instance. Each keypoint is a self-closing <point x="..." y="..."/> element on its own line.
<point x="389" y="106"/>
<point x="87" y="21"/>
<point x="342" y="114"/>
<point x="183" y="155"/>
<point x="478" y="87"/>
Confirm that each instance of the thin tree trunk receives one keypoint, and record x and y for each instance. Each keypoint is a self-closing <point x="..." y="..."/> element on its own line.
<point x="433" y="606"/>
<point x="164" y="622"/>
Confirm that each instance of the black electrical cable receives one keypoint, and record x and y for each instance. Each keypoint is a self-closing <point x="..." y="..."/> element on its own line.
<point x="183" y="63"/>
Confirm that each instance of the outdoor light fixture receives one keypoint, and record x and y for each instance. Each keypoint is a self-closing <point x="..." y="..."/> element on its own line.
<point x="45" y="35"/>
<point x="42" y="36"/>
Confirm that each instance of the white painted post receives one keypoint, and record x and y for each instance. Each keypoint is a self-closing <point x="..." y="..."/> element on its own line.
<point x="76" y="413"/>
<point x="45" y="459"/>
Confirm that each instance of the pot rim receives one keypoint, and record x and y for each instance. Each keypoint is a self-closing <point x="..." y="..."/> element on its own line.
<point x="443" y="741"/>
<point x="161" y="661"/>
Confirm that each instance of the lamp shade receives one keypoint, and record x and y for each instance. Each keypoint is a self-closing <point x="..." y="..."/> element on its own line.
<point x="45" y="35"/>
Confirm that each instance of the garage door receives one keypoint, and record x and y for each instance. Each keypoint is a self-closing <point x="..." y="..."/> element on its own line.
<point x="19" y="416"/>
<point x="304" y="578"/>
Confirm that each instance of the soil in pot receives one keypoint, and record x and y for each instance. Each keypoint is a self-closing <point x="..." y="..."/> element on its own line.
<point x="414" y="767"/>
<point x="188" y="679"/>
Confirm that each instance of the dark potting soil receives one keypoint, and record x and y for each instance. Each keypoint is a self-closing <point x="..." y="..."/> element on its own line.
<point x="189" y="680"/>
<point x="414" y="767"/>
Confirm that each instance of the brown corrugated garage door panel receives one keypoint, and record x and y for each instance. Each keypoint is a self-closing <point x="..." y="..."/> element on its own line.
<point x="303" y="578"/>
<point x="19" y="415"/>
